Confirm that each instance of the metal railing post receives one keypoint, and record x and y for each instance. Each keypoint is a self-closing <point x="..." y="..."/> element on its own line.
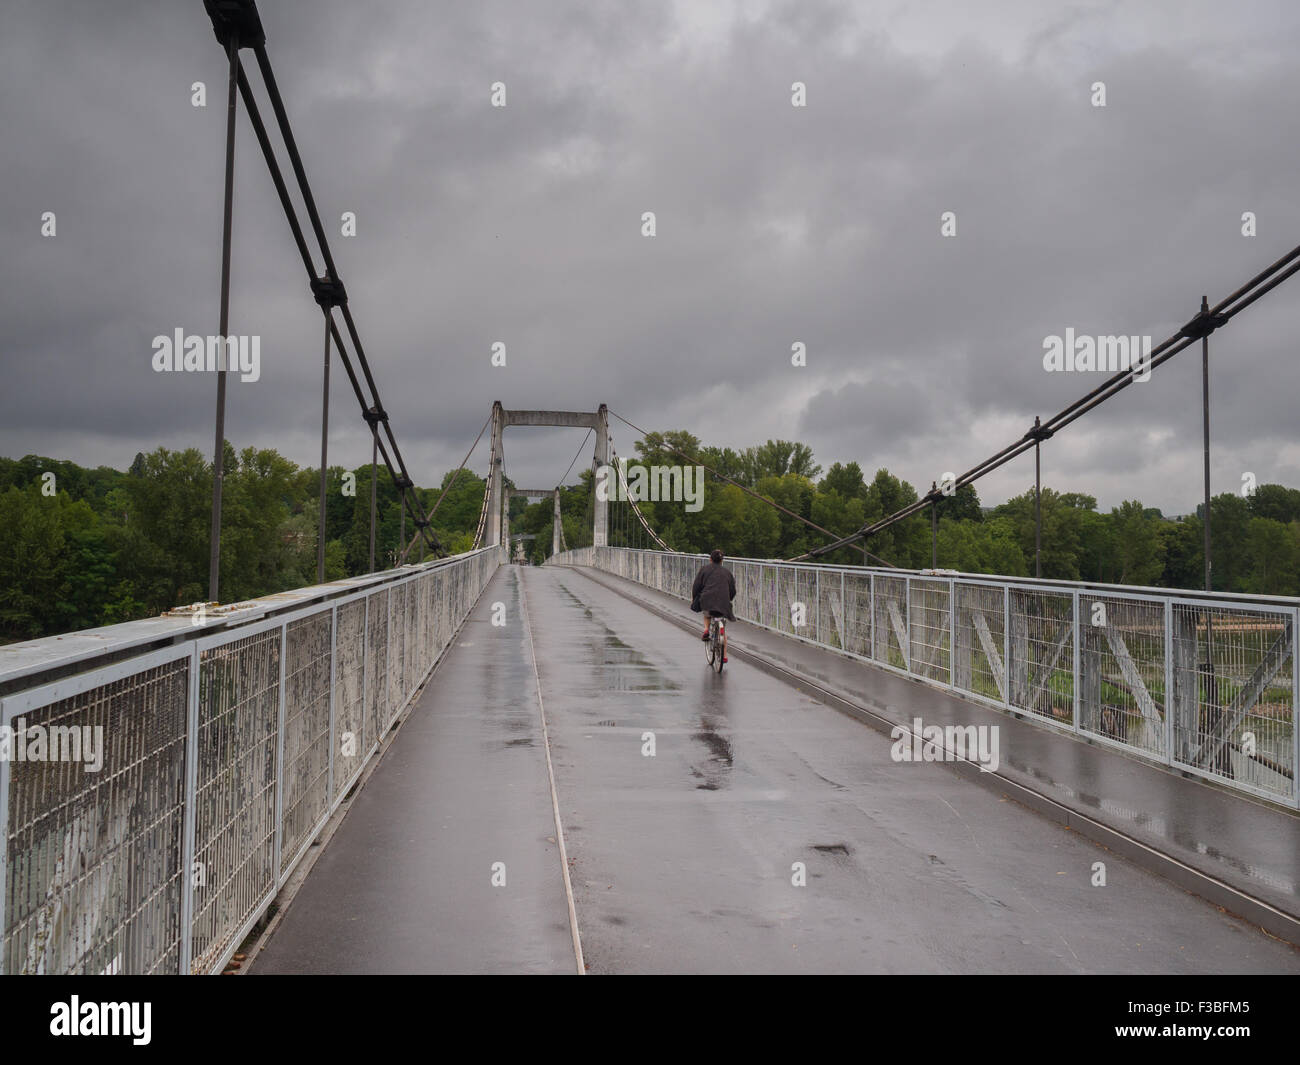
<point x="362" y="742"/>
<point x="952" y="632"/>
<point x="1006" y="645"/>
<point x="190" y="820"/>
<point x="910" y="655"/>
<point x="334" y="673"/>
<point x="1078" y="658"/>
<point x="1295" y="705"/>
<point x="279" y="756"/>
<point x="1169" y="681"/>
<point x="817" y="621"/>
<point x="871" y="607"/>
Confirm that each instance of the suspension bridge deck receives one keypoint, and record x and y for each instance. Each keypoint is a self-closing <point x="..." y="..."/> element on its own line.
<point x="686" y="860"/>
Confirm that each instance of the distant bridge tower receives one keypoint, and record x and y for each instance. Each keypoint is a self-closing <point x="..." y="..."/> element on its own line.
<point x="498" y="505"/>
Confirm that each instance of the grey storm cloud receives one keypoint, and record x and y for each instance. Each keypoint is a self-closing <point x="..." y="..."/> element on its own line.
<point x="775" y="225"/>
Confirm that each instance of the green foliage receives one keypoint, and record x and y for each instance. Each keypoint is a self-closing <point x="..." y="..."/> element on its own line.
<point x="106" y="546"/>
<point x="96" y="547"/>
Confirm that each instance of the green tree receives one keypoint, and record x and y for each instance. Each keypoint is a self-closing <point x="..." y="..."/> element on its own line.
<point x="1274" y="558"/>
<point x="1137" y="544"/>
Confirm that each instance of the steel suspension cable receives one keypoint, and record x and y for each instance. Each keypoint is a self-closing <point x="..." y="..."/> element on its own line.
<point x="450" y="484"/>
<point x="487" y="493"/>
<point x="329" y="290"/>
<point x="636" y="509"/>
<point x="1198" y="327"/>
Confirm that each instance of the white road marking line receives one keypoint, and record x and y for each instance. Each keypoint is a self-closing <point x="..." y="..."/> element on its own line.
<point x="550" y="771"/>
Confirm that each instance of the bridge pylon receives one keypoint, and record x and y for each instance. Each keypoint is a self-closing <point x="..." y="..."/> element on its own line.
<point x="498" y="505"/>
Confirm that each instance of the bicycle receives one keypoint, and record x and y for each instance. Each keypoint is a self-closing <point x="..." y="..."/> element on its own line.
<point x="716" y="649"/>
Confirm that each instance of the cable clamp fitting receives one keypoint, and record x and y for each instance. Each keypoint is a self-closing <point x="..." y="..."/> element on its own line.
<point x="328" y="291"/>
<point x="1202" y="325"/>
<point x="1039" y="432"/>
<point x="237" y="17"/>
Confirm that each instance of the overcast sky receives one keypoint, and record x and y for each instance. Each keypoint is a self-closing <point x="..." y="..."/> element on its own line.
<point x="775" y="225"/>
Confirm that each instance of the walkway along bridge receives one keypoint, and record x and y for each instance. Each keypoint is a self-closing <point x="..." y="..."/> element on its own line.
<point x="236" y="739"/>
<point x="726" y="822"/>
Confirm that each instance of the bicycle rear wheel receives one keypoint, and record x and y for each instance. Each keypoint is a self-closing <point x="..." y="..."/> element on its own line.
<point x="711" y="648"/>
<point x="720" y="653"/>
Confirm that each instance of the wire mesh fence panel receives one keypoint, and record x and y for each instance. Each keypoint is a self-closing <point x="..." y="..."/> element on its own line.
<point x="803" y="604"/>
<point x="437" y="628"/>
<point x="428" y="639"/>
<point x="830" y="611"/>
<point x="306" y="768"/>
<point x="685" y="577"/>
<point x="787" y="594"/>
<point x="350" y="742"/>
<point x="95" y="822"/>
<point x="1229" y="667"/>
<point x="443" y="590"/>
<point x="376" y="667"/>
<point x="1233" y="695"/>
<point x="411" y="671"/>
<point x="396" y="650"/>
<point x="1040" y="654"/>
<point x="857" y="613"/>
<point x="892" y="641"/>
<point x="749" y="594"/>
<point x="1122" y="670"/>
<point x="978" y="662"/>
<point x="94" y="834"/>
<point x="930" y="629"/>
<point x="234" y="812"/>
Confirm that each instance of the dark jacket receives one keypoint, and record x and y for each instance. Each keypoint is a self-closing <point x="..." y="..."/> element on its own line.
<point x="715" y="588"/>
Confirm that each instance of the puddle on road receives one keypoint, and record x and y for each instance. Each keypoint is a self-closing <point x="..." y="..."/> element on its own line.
<point x="716" y="770"/>
<point x="719" y="746"/>
<point x="625" y="669"/>
<point x="621" y="667"/>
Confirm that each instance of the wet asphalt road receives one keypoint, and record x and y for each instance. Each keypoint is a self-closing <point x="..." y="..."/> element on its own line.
<point x="406" y="883"/>
<point x="684" y="861"/>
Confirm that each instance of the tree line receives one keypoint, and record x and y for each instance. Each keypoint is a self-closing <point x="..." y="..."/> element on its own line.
<point x="84" y="547"/>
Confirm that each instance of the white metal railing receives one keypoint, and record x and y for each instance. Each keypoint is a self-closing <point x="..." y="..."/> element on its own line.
<point x="1202" y="682"/>
<point x="227" y="742"/>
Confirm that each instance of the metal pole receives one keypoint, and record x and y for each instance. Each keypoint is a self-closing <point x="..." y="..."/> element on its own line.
<point x="401" y="538"/>
<point x="1209" y="717"/>
<point x="374" y="458"/>
<point x="1205" y="410"/>
<point x="1038" y="512"/>
<point x="219" y="451"/>
<point x="324" y="446"/>
<point x="934" y="530"/>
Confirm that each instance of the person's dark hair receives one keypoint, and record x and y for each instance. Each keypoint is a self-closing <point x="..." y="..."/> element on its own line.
<point x="716" y="555"/>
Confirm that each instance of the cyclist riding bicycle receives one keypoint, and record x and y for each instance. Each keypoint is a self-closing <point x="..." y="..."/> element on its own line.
<point x="713" y="591"/>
